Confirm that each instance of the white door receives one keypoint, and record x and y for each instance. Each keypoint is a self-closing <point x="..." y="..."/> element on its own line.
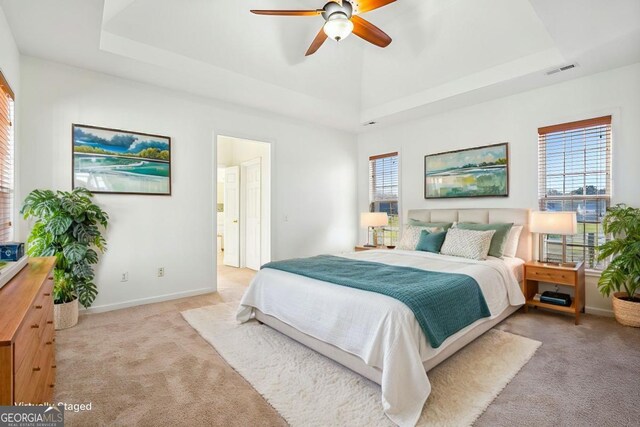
<point x="232" y="216"/>
<point x="252" y="206"/>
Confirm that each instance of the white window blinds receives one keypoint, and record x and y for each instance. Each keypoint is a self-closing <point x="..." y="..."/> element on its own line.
<point x="383" y="194"/>
<point x="575" y="175"/>
<point x="6" y="160"/>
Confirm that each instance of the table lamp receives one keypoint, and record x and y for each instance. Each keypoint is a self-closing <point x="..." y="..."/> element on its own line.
<point x="562" y="223"/>
<point x="372" y="220"/>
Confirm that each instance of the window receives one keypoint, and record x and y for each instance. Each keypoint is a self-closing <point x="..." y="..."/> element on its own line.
<point x="383" y="194"/>
<point x="6" y="161"/>
<point x="575" y="175"/>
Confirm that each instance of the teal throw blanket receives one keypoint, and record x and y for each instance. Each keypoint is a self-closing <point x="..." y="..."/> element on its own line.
<point x="443" y="303"/>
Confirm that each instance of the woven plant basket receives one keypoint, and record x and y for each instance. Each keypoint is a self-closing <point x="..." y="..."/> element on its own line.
<point x="65" y="315"/>
<point x="626" y="312"/>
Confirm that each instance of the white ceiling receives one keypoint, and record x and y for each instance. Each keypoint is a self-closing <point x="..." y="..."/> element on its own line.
<point x="445" y="53"/>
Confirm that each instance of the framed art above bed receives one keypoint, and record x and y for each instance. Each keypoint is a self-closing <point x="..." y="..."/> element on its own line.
<point x="472" y="172"/>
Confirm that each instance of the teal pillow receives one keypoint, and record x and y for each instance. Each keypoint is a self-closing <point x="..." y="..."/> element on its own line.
<point x="444" y="225"/>
<point x="499" y="240"/>
<point x="431" y="242"/>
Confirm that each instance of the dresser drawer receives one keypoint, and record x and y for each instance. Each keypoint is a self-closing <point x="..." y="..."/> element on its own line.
<point x="33" y="378"/>
<point x="27" y="381"/>
<point x="553" y="276"/>
<point x="29" y="336"/>
<point x="39" y="316"/>
<point x="33" y="350"/>
<point x="50" y="381"/>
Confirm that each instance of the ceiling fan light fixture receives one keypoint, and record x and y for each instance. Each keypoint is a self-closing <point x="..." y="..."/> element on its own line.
<point x="338" y="26"/>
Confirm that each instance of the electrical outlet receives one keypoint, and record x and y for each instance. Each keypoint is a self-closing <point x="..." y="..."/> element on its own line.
<point x="125" y="277"/>
<point x="161" y="272"/>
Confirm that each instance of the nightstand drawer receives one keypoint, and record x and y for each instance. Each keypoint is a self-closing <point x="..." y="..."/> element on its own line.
<point x="553" y="276"/>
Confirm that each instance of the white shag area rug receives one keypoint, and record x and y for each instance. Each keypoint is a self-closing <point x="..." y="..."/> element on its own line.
<point x="308" y="389"/>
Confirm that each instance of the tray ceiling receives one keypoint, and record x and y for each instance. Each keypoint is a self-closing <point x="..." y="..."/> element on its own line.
<point x="444" y="53"/>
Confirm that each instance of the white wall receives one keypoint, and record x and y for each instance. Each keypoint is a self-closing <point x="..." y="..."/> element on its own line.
<point x="515" y="119"/>
<point x="10" y="67"/>
<point x="235" y="151"/>
<point x="177" y="232"/>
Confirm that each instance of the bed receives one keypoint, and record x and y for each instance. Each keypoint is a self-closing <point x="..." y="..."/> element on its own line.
<point x="378" y="336"/>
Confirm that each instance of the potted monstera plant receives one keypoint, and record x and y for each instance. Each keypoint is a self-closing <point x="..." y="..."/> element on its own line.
<point x="622" y="275"/>
<point x="70" y="227"/>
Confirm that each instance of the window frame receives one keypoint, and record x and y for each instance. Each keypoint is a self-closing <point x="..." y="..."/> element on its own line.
<point x="388" y="235"/>
<point x="7" y="232"/>
<point x="601" y="152"/>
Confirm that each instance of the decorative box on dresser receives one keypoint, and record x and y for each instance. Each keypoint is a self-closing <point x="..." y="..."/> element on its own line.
<point x="27" y="335"/>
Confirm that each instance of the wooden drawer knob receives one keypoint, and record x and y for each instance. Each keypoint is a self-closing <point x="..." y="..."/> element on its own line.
<point x="54" y="366"/>
<point x="51" y="386"/>
<point x="38" y="307"/>
<point x="35" y="326"/>
<point x="47" y="294"/>
<point x="49" y="342"/>
<point x="49" y="322"/>
<point x="36" y="369"/>
<point x="50" y="278"/>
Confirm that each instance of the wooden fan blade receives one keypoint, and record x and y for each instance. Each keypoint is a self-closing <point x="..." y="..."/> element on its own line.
<point x="287" y="12"/>
<point x="317" y="42"/>
<point x="363" y="6"/>
<point x="369" y="32"/>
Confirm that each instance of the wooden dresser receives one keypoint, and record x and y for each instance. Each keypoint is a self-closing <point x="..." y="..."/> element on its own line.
<point x="27" y="335"/>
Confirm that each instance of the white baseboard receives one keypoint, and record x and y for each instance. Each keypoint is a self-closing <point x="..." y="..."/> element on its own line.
<point x="599" y="311"/>
<point x="143" y="301"/>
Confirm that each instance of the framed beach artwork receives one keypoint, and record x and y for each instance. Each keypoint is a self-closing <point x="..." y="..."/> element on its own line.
<point x="121" y="162"/>
<point x="472" y="172"/>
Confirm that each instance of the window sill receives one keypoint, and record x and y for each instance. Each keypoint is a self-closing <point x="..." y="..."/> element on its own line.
<point x="592" y="273"/>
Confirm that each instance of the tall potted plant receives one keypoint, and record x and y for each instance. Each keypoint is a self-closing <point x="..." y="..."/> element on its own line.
<point x="623" y="272"/>
<point x="68" y="226"/>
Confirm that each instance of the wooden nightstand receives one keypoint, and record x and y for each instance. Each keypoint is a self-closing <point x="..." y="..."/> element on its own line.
<point x="360" y="248"/>
<point x="535" y="272"/>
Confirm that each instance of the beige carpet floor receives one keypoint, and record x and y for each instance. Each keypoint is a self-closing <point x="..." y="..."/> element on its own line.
<point x="146" y="366"/>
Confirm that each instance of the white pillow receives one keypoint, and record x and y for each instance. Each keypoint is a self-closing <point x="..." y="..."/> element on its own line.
<point x="470" y="244"/>
<point x="511" y="245"/>
<point x="411" y="236"/>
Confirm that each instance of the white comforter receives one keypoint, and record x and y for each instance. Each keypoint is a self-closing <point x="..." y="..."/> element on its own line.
<point x="379" y="329"/>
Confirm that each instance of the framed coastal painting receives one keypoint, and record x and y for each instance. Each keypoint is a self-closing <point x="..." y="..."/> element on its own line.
<point x="472" y="172"/>
<point x="121" y="162"/>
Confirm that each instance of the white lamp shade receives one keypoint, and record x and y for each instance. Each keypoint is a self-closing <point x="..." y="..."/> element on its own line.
<point x="374" y="219"/>
<point x="563" y="223"/>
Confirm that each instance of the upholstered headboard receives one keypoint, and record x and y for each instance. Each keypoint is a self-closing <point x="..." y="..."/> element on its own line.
<point x="482" y="216"/>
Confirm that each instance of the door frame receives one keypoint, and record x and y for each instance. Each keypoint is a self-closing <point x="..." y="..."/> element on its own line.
<point x="243" y="209"/>
<point x="238" y="185"/>
<point x="270" y="179"/>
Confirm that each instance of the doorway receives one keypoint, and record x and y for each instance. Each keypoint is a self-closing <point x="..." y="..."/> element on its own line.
<point x="243" y="203"/>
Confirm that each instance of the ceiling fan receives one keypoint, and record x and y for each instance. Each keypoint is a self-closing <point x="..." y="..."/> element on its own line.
<point x="341" y="19"/>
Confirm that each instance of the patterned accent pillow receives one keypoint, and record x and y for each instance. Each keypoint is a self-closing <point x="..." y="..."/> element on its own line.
<point x="498" y="240"/>
<point x="511" y="247"/>
<point x="470" y="244"/>
<point x="411" y="236"/>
